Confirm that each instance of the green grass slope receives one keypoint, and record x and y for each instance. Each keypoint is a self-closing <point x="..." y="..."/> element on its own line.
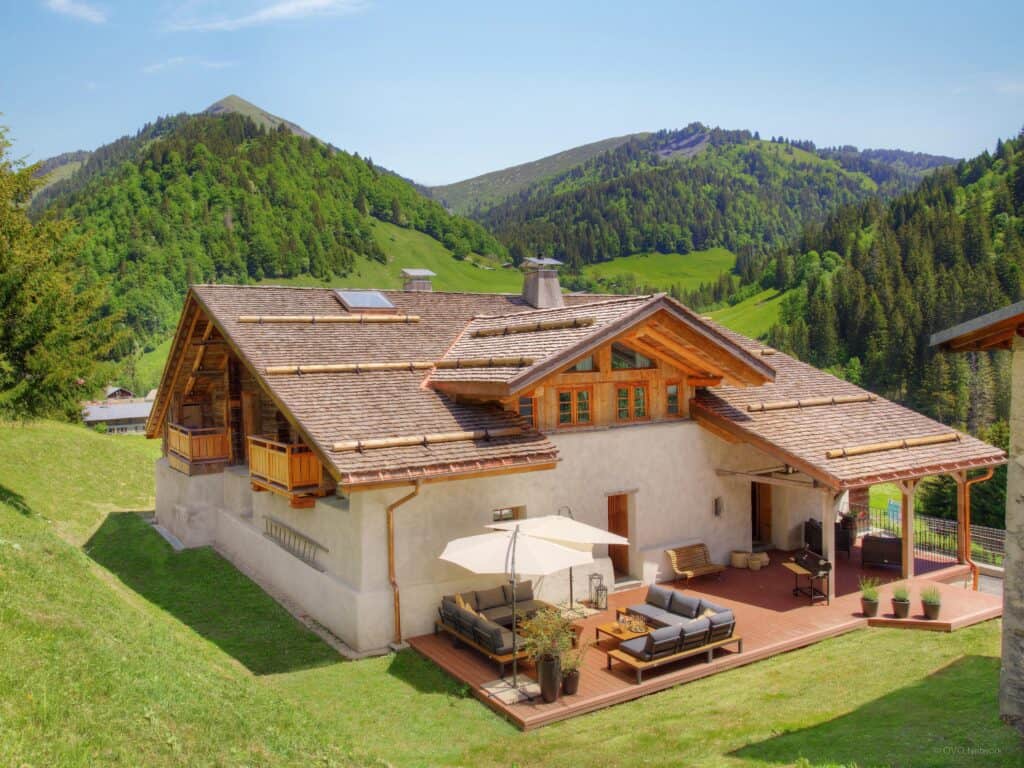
<point x="753" y="316"/>
<point x="663" y="270"/>
<point x="125" y="653"/>
<point x="490" y="188"/>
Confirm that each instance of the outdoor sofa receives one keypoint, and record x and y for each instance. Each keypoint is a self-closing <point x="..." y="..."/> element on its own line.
<point x="682" y="626"/>
<point x="881" y="550"/>
<point x="812" y="537"/>
<point x="485" y="624"/>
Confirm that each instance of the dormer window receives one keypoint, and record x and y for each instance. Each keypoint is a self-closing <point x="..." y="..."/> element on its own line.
<point x="626" y="359"/>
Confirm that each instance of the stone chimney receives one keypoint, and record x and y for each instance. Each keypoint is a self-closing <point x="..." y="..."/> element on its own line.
<point x="540" y="283"/>
<point x="417" y="280"/>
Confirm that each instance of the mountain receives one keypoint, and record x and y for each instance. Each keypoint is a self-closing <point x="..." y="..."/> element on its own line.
<point x="492" y="188"/>
<point x="236" y="105"/>
<point x="219" y="198"/>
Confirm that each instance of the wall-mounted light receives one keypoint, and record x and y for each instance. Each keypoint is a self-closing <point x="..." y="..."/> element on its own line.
<point x="716" y="506"/>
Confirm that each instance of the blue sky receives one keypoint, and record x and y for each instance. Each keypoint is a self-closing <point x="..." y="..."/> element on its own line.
<point x="440" y="91"/>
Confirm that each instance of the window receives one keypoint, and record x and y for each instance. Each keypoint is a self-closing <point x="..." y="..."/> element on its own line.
<point x="505" y="514"/>
<point x="574" y="406"/>
<point x="586" y="365"/>
<point x="631" y="402"/>
<point x="672" y="399"/>
<point x="624" y="359"/>
<point x="528" y="410"/>
<point x="364" y="301"/>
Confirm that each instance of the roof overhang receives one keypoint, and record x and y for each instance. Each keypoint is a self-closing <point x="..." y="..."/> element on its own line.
<point x="992" y="331"/>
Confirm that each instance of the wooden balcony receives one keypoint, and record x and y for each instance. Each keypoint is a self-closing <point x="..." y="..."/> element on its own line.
<point x="197" y="450"/>
<point x="291" y="470"/>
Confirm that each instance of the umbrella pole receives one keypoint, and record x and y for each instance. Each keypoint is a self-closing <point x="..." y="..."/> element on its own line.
<point x="572" y="602"/>
<point x="512" y="579"/>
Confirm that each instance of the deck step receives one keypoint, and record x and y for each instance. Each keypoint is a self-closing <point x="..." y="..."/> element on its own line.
<point x="621" y="585"/>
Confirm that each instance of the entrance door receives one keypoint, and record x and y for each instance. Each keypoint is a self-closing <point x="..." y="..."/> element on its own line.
<point x="618" y="522"/>
<point x="761" y="513"/>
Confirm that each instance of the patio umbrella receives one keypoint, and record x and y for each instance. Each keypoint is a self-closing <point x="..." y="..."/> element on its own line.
<point x="566" y="531"/>
<point x="513" y="553"/>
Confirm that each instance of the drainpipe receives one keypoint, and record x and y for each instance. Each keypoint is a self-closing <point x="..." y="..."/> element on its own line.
<point x="391" y="556"/>
<point x="967" y="520"/>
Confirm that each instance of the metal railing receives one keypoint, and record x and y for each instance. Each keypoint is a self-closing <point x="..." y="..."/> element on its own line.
<point x="292" y="541"/>
<point x="935" y="538"/>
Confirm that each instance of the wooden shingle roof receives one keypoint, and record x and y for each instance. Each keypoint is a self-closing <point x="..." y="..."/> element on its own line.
<point x="803" y="436"/>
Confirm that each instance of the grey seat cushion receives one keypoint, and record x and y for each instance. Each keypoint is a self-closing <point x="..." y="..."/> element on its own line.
<point x="724" y="616"/>
<point x="659" y="616"/>
<point x="685" y="605"/>
<point x="501" y="614"/>
<point x="524" y="592"/>
<point x="506" y="642"/>
<point x="464" y="621"/>
<point x="662" y="642"/>
<point x="636" y="647"/>
<point x="489" y="598"/>
<point x="659" y="597"/>
<point x="706" y="604"/>
<point x="694" y="633"/>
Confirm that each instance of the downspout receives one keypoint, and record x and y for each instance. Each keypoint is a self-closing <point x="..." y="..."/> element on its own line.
<point x="391" y="556"/>
<point x="967" y="520"/>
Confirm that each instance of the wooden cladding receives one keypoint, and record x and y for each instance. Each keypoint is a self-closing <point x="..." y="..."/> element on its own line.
<point x="358" y="318"/>
<point x="202" y="444"/>
<point x="811" y="402"/>
<point x="457" y="363"/>
<point x="545" y="325"/>
<point x="427" y="439"/>
<point x="892" y="445"/>
<point x="286" y="465"/>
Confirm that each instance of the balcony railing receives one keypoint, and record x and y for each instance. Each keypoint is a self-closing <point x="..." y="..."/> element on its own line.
<point x="198" y="443"/>
<point x="288" y="466"/>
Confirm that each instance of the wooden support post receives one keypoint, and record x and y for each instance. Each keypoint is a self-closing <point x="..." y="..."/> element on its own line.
<point x="963" y="531"/>
<point x="829" y="502"/>
<point x="907" y="525"/>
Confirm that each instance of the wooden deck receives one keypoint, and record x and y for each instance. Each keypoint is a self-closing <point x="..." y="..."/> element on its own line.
<point x="768" y="616"/>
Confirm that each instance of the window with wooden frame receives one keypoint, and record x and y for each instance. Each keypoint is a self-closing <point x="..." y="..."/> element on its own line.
<point x="586" y="365"/>
<point x="631" y="402"/>
<point x="528" y="410"/>
<point x="575" y="406"/>
<point x="626" y="359"/>
<point x="673" y="403"/>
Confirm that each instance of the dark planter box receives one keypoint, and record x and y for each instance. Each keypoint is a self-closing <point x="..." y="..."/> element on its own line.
<point x="931" y="610"/>
<point x="901" y="608"/>
<point x="869" y="607"/>
<point x="571" y="683"/>
<point x="549" y="674"/>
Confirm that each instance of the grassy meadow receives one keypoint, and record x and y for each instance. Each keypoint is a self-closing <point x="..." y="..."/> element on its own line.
<point x="663" y="270"/>
<point x="753" y="316"/>
<point x="121" y="652"/>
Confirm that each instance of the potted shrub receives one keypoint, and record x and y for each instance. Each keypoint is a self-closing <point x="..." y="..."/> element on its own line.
<point x="901" y="601"/>
<point x="572" y="660"/>
<point x="869" y="595"/>
<point x="931" y="601"/>
<point x="546" y="637"/>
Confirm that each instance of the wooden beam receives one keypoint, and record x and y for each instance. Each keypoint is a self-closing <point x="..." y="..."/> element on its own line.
<point x="164" y="398"/>
<point x="828" y="537"/>
<point x="768" y="479"/>
<point x="199" y="358"/>
<point x="714" y="356"/>
<point x="907" y="488"/>
<point x="649" y="350"/>
<point x="356" y="319"/>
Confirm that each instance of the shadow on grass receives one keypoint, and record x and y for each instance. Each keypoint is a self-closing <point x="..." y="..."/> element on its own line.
<point x="204" y="591"/>
<point x="424" y="675"/>
<point x="15" y="501"/>
<point x="949" y="718"/>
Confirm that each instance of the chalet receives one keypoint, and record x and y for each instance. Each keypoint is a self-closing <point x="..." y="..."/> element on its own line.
<point x="119" y="415"/>
<point x="331" y="442"/>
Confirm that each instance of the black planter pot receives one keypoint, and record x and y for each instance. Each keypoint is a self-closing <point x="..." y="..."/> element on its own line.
<point x="901" y="608"/>
<point x="869" y="607"/>
<point x="931" y="610"/>
<point x="549" y="674"/>
<point x="571" y="682"/>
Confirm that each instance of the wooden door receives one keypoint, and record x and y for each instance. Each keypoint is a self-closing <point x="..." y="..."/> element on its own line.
<point x="762" y="512"/>
<point x="618" y="522"/>
<point x="250" y="418"/>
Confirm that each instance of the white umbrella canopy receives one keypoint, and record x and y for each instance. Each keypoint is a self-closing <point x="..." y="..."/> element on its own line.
<point x="490" y="553"/>
<point x="564" y="530"/>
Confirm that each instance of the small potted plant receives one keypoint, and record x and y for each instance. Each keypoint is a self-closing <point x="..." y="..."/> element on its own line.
<point x="546" y="637"/>
<point x="931" y="602"/>
<point x="901" y="601"/>
<point x="869" y="595"/>
<point x="572" y="660"/>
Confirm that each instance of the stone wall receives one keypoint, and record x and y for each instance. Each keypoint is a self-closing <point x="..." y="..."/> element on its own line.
<point x="1011" y="683"/>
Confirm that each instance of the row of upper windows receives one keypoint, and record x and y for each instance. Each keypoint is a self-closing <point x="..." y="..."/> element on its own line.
<point x="623" y="359"/>
<point x="575" y="404"/>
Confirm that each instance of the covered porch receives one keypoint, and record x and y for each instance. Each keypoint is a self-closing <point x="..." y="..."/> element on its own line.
<point x="770" y="619"/>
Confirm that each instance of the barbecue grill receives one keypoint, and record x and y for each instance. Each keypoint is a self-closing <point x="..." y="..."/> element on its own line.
<point x="816" y="569"/>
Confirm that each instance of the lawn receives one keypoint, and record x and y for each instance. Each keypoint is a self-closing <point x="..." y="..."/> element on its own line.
<point x="753" y="316"/>
<point x="126" y="653"/>
<point x="663" y="270"/>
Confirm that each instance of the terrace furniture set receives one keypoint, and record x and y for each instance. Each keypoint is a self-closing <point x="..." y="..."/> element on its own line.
<point x="881" y="550"/>
<point x="844" y="537"/>
<point x="813" y="567"/>
<point x="691" y="561"/>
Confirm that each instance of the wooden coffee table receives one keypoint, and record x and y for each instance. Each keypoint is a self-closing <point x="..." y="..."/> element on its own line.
<point x="615" y="631"/>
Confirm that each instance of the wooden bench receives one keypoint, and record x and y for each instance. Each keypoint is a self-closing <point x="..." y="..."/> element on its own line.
<point x="640" y="666"/>
<point x="692" y="561"/>
<point x="500" y="659"/>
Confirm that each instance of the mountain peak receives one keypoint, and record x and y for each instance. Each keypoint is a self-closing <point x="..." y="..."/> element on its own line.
<point x="232" y="104"/>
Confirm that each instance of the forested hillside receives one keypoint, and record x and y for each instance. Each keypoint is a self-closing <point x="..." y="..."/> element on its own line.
<point x="693" y="189"/>
<point x="219" y="198"/>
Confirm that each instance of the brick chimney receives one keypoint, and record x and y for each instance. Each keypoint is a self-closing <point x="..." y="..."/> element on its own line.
<point x="417" y="280"/>
<point x="540" y="283"/>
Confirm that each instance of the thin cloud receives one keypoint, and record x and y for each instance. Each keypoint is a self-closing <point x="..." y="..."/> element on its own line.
<point x="1010" y="86"/>
<point x="284" y="10"/>
<point x="180" y="61"/>
<point x="78" y="10"/>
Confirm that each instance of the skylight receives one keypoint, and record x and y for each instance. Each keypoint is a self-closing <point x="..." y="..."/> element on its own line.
<point x="364" y="301"/>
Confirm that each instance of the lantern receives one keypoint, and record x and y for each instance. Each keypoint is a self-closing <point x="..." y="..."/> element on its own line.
<point x="596" y="580"/>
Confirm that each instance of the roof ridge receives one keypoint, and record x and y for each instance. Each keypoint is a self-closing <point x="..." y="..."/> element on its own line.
<point x="589" y="305"/>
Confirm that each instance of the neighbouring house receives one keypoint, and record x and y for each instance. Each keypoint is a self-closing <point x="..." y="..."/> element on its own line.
<point x="331" y="442"/>
<point x="1002" y="329"/>
<point x="121" y="416"/>
<point x="117" y="393"/>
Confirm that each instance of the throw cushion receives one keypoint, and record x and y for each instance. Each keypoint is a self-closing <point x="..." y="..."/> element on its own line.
<point x="524" y="592"/>
<point x="708" y="612"/>
<point x="636" y="647"/>
<point x="659" y="597"/>
<point x="704" y="604"/>
<point x="490" y="598"/>
<point x="721" y="618"/>
<point x="684" y="605"/>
